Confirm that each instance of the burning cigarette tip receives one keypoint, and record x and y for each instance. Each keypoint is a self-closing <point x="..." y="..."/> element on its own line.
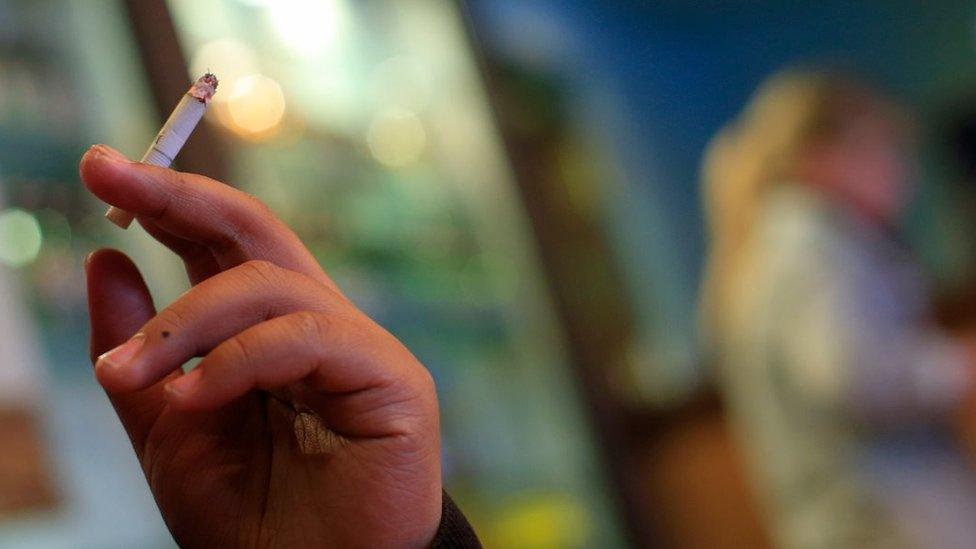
<point x="204" y="88"/>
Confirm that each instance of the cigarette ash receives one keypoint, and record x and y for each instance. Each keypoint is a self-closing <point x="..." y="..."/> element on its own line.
<point x="204" y="88"/>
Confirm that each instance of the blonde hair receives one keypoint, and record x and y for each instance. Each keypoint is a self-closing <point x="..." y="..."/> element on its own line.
<point x="790" y="113"/>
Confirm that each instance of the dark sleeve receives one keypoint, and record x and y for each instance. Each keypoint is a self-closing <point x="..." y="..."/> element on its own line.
<point x="454" y="531"/>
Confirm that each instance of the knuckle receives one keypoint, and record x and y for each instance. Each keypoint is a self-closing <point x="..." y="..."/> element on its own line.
<point x="421" y="383"/>
<point x="232" y="234"/>
<point x="256" y="206"/>
<point x="260" y="271"/>
<point x="171" y="318"/>
<point x="427" y="382"/>
<point x="241" y="222"/>
<point x="236" y="350"/>
<point x="312" y="326"/>
<point x="252" y="210"/>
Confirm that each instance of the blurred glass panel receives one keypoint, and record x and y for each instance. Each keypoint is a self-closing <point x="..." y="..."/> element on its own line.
<point x="366" y="127"/>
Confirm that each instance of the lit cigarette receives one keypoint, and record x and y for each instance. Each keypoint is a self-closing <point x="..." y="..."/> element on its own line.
<point x="173" y="134"/>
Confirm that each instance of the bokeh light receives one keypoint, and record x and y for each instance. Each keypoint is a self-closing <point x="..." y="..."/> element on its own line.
<point x="255" y="106"/>
<point x="396" y="138"/>
<point x="20" y="237"/>
<point x="307" y="27"/>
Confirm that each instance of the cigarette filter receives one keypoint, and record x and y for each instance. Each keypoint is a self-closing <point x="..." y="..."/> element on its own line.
<point x="173" y="134"/>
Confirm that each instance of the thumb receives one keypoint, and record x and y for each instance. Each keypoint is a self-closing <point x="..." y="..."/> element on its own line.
<point x="119" y="304"/>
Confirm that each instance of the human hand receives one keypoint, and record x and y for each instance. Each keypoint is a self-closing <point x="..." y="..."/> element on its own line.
<point x="305" y="424"/>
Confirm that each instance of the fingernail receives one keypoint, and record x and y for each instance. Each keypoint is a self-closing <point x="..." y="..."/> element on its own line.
<point x="109" y="153"/>
<point x="115" y="153"/>
<point x="182" y="385"/>
<point x="121" y="355"/>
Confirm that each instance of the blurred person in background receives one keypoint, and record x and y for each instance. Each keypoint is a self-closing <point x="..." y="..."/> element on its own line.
<point x="843" y="391"/>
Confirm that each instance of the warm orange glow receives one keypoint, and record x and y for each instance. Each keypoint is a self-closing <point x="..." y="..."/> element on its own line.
<point x="255" y="106"/>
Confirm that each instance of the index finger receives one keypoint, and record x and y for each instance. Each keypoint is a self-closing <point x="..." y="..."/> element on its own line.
<point x="234" y="225"/>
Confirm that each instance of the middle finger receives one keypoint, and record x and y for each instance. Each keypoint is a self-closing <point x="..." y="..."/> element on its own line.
<point x="211" y="312"/>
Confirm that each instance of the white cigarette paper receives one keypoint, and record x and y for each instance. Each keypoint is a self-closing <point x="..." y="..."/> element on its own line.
<point x="173" y="135"/>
